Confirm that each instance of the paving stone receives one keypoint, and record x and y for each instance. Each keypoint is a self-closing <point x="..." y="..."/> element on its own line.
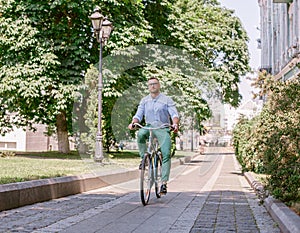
<point x="221" y="202"/>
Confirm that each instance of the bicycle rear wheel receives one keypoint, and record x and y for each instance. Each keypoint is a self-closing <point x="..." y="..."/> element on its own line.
<point x="146" y="179"/>
<point x="158" y="173"/>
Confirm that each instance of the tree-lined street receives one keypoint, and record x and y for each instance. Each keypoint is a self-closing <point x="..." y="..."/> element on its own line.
<point x="51" y="76"/>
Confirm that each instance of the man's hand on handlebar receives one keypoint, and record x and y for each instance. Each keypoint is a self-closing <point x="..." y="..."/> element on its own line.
<point x="132" y="126"/>
<point x="174" y="128"/>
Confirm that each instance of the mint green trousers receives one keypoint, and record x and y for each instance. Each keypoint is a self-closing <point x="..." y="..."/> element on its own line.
<point x="164" y="140"/>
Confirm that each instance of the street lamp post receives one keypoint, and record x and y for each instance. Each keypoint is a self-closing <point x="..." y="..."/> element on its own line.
<point x="102" y="29"/>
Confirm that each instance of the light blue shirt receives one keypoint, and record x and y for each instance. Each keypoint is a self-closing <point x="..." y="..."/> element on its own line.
<point x="157" y="110"/>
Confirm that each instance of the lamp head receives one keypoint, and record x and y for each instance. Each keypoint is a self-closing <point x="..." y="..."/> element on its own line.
<point x="106" y="29"/>
<point x="97" y="19"/>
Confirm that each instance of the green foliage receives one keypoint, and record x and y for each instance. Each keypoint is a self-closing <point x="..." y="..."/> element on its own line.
<point x="281" y="149"/>
<point x="215" y="36"/>
<point x="245" y="145"/>
<point x="219" y="54"/>
<point x="46" y="48"/>
<point x="273" y="138"/>
<point x="42" y="47"/>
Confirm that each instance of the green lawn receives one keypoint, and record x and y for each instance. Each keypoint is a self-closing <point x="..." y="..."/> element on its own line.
<point x="32" y="166"/>
<point x="28" y="167"/>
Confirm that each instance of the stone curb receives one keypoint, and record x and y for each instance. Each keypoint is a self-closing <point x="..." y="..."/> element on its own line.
<point x="289" y="221"/>
<point x="29" y="192"/>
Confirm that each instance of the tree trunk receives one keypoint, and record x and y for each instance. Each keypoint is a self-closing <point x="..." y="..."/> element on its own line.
<point x="62" y="133"/>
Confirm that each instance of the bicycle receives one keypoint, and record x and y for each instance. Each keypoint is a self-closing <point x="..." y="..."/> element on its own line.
<point x="151" y="166"/>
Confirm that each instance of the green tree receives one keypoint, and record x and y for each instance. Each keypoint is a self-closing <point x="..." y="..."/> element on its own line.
<point x="217" y="37"/>
<point x="211" y="35"/>
<point x="214" y="36"/>
<point x="42" y="46"/>
<point x="46" y="47"/>
<point x="44" y="57"/>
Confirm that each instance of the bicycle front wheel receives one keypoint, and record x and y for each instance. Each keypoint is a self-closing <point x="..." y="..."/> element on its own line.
<point x="146" y="180"/>
<point x="158" y="173"/>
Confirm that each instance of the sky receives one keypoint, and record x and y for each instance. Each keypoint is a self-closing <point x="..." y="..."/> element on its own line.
<point x="248" y="12"/>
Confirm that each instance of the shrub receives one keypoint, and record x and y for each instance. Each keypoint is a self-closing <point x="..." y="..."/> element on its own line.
<point x="245" y="146"/>
<point x="270" y="143"/>
<point x="280" y="131"/>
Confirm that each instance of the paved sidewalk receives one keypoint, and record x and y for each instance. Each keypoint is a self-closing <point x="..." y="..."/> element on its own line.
<point x="232" y="206"/>
<point x="207" y="195"/>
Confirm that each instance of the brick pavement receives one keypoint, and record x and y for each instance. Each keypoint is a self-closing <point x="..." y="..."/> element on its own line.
<point x="212" y="196"/>
<point x="232" y="206"/>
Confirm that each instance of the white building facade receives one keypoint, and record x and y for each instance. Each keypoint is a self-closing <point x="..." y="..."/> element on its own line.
<point x="279" y="42"/>
<point x="21" y="140"/>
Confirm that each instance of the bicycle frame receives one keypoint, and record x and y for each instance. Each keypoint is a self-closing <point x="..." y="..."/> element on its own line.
<point x="151" y="171"/>
<point x="155" y="157"/>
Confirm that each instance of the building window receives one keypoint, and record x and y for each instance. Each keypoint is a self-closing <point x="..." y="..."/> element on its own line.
<point x="8" y="145"/>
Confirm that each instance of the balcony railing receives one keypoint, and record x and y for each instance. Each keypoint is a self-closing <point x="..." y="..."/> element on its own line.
<point x="282" y="1"/>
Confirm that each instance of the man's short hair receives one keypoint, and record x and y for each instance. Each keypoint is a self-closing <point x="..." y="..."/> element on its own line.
<point x="151" y="78"/>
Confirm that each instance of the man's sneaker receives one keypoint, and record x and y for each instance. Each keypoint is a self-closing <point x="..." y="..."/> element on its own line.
<point x="163" y="189"/>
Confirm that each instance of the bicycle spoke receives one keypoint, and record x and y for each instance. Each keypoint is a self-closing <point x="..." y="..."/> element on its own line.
<point x="146" y="179"/>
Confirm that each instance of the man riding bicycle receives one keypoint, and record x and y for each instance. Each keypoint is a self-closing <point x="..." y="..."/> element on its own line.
<point x="157" y="109"/>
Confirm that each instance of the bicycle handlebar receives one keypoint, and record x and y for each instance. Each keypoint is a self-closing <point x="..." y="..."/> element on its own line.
<point x="160" y="127"/>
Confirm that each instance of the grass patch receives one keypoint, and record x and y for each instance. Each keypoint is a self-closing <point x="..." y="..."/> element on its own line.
<point x="50" y="154"/>
<point x="123" y="155"/>
<point x="125" y="159"/>
<point x="17" y="169"/>
<point x="41" y="165"/>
